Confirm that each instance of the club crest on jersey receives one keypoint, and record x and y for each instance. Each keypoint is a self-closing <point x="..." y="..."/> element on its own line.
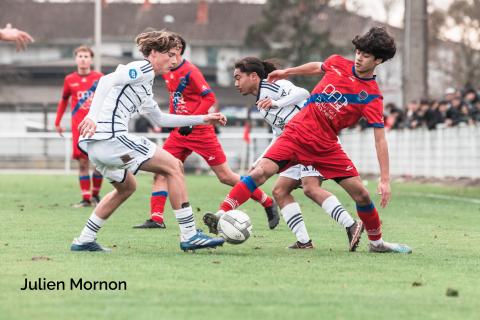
<point x="362" y="95"/>
<point x="132" y="73"/>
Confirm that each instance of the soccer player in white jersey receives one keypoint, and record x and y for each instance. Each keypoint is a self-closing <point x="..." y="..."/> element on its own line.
<point x="278" y="103"/>
<point x="118" y="155"/>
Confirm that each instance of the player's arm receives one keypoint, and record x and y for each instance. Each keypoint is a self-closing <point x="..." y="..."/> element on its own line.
<point x="62" y="106"/>
<point x="296" y="96"/>
<point x="161" y="119"/>
<point x="307" y="69"/>
<point x="105" y="84"/>
<point x="383" y="161"/>
<point x="21" y="38"/>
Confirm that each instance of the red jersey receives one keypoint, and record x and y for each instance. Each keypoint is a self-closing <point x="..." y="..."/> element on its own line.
<point x="81" y="88"/>
<point x="338" y="101"/>
<point x="190" y="93"/>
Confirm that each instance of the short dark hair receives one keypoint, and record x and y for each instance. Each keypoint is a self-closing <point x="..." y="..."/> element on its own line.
<point x="252" y="64"/>
<point x="378" y="42"/>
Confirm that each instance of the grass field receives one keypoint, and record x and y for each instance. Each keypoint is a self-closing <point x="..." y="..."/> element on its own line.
<point x="259" y="278"/>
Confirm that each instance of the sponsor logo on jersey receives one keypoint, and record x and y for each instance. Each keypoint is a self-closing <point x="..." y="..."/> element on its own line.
<point x="349" y="168"/>
<point x="75" y="84"/>
<point x="132" y="73"/>
<point x="363" y="95"/>
<point x="211" y="158"/>
<point x="84" y="79"/>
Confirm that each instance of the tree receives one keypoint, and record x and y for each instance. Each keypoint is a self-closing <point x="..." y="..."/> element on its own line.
<point x="464" y="19"/>
<point x="286" y="32"/>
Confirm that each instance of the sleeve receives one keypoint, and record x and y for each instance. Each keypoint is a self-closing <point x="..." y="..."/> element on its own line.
<point x="152" y="111"/>
<point x="62" y="104"/>
<point x="201" y="87"/>
<point x="327" y="64"/>
<point x="294" y="95"/>
<point x="373" y="113"/>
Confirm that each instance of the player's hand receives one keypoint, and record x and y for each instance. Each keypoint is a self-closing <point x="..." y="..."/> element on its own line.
<point x="185" y="131"/>
<point x="384" y="191"/>
<point x="60" y="130"/>
<point x="277" y="75"/>
<point x="87" y="128"/>
<point x="21" y="38"/>
<point x="266" y="103"/>
<point x="215" y="118"/>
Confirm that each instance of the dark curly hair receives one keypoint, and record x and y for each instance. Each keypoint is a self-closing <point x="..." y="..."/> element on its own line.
<point x="261" y="67"/>
<point x="378" y="42"/>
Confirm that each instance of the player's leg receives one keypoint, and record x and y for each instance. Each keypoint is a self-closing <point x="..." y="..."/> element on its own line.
<point x="242" y="191"/>
<point x="158" y="199"/>
<point x="84" y="180"/>
<point x="159" y="195"/>
<point x="332" y="206"/>
<point x="369" y="215"/>
<point x="226" y="176"/>
<point x="97" y="180"/>
<point x="104" y="209"/>
<point x="290" y="209"/>
<point x="171" y="168"/>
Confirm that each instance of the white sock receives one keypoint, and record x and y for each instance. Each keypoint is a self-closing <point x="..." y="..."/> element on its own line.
<point x="376" y="243"/>
<point x="337" y="212"/>
<point x="186" y="222"/>
<point x="292" y="214"/>
<point x="219" y="213"/>
<point x="89" y="232"/>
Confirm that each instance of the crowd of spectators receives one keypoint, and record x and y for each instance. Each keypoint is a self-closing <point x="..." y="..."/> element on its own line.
<point x="458" y="108"/>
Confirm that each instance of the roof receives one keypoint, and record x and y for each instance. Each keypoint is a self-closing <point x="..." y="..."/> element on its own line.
<point x="70" y="22"/>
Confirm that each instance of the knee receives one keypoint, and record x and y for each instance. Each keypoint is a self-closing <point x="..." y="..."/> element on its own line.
<point x="279" y="193"/>
<point x="362" y="197"/>
<point x="259" y="176"/>
<point x="308" y="190"/>
<point x="157" y="178"/>
<point x="227" y="179"/>
<point x="128" y="189"/>
<point x="176" y="168"/>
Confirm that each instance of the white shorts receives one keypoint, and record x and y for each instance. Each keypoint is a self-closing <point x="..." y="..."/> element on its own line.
<point x="115" y="156"/>
<point x="298" y="172"/>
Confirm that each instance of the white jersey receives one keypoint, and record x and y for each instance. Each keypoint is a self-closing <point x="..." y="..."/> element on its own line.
<point x="131" y="93"/>
<point x="287" y="98"/>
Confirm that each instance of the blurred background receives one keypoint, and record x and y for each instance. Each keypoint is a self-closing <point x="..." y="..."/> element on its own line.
<point x="432" y="108"/>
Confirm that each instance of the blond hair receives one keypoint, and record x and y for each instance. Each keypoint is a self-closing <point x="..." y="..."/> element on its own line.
<point x="83" y="48"/>
<point x="161" y="41"/>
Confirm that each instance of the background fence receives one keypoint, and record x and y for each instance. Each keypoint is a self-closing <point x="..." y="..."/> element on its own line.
<point x="449" y="152"/>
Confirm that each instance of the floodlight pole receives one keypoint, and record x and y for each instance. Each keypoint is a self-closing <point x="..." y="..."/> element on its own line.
<point x="98" y="35"/>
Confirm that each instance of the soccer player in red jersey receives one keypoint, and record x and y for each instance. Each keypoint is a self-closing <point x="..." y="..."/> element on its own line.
<point x="80" y="86"/>
<point x="347" y="92"/>
<point x="190" y="94"/>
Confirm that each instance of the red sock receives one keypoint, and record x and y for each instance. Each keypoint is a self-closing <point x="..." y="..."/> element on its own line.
<point x="369" y="216"/>
<point x="97" y="180"/>
<point x="157" y="205"/>
<point x="239" y="194"/>
<point x="261" y="197"/>
<point x="85" y="187"/>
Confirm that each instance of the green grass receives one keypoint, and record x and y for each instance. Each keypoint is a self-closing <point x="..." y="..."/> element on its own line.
<point x="259" y="278"/>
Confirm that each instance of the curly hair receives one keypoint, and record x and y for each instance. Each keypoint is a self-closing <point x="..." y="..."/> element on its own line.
<point x="161" y="41"/>
<point x="261" y="67"/>
<point x="377" y="42"/>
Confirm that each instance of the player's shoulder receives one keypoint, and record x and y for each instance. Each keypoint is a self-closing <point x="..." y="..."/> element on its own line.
<point x="337" y="60"/>
<point x="96" y="75"/>
<point x="272" y="86"/>
<point x="136" y="69"/>
<point x="71" y="76"/>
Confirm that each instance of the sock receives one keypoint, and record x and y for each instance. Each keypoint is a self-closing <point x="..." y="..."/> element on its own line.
<point x="157" y="205"/>
<point x="337" y="212"/>
<point x="292" y="214"/>
<point x="239" y="194"/>
<point x="85" y="187"/>
<point x="369" y="215"/>
<point x="261" y="197"/>
<point x="186" y="222"/>
<point x="97" y="180"/>
<point x="93" y="225"/>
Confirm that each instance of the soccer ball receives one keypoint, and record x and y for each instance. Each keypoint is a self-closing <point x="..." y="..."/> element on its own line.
<point x="235" y="226"/>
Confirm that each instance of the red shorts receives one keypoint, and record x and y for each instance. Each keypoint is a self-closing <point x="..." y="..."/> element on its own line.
<point x="76" y="153"/>
<point x="204" y="143"/>
<point x="332" y="162"/>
